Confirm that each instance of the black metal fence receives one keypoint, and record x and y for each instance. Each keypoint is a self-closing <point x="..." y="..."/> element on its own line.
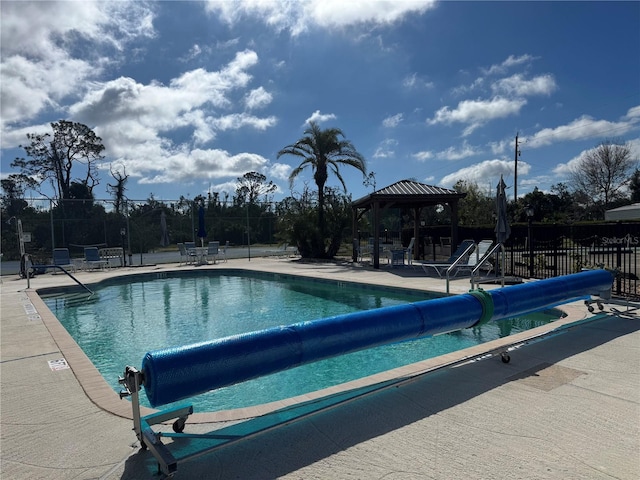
<point x="548" y="250"/>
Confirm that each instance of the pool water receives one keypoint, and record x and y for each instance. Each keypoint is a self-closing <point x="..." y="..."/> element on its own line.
<point x="121" y="322"/>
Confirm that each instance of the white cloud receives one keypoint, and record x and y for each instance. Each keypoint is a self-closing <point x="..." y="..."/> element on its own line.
<point x="197" y="166"/>
<point x="511" y="61"/>
<point x="564" y="169"/>
<point x="429" y="180"/>
<point x="392" y="121"/>
<point x="633" y="114"/>
<point x="37" y="70"/>
<point x="485" y="172"/>
<point x="385" y="149"/>
<point x="17" y="136"/>
<point x="337" y="13"/>
<point x="517" y="85"/>
<point x="164" y="106"/>
<point x="258" y="98"/>
<point x="319" y="117"/>
<point x="298" y="17"/>
<point x="413" y="81"/>
<point x="194" y="52"/>
<point x="580" y="129"/>
<point x="136" y="122"/>
<point x="476" y="113"/>
<point x="514" y="86"/>
<point x="464" y="89"/>
<point x="228" y="187"/>
<point x="453" y="153"/>
<point x="423" y="156"/>
<point x="239" y="120"/>
<point x="280" y="171"/>
<point x="410" y="80"/>
<point x="500" y="146"/>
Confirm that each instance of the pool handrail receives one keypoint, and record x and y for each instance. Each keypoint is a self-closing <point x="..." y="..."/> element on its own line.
<point x="464" y="257"/>
<point x="34" y="267"/>
<point x="484" y="259"/>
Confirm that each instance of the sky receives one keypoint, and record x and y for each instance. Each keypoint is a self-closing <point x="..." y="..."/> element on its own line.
<point x="189" y="96"/>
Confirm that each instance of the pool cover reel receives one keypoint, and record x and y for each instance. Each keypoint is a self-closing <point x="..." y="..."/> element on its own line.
<point x="176" y="373"/>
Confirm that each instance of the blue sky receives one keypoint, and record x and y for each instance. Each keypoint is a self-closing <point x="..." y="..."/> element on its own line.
<point x="189" y="96"/>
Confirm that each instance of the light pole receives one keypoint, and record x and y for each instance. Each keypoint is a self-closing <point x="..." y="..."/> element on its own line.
<point x="140" y="231"/>
<point x="530" y="212"/>
<point x="123" y="233"/>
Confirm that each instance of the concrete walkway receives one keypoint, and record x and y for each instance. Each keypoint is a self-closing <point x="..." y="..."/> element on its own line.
<point x="564" y="408"/>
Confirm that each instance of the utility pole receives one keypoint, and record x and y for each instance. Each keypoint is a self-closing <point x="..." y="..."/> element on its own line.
<point x="515" y="180"/>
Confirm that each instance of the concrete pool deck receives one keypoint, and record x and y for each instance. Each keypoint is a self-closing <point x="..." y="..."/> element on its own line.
<point x="567" y="407"/>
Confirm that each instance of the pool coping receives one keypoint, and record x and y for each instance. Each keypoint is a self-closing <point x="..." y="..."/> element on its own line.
<point x="104" y="397"/>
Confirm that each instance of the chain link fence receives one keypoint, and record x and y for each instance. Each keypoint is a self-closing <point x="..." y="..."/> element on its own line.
<point x="139" y="226"/>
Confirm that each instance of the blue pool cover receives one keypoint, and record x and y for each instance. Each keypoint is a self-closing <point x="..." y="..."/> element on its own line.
<point x="176" y="373"/>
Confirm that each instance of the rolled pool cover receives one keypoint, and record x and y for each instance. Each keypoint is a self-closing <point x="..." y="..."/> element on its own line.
<point x="176" y="373"/>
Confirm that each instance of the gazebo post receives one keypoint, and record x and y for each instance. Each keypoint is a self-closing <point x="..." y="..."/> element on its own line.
<point x="376" y="233"/>
<point x="416" y="231"/>
<point x="354" y="231"/>
<point x="454" y="224"/>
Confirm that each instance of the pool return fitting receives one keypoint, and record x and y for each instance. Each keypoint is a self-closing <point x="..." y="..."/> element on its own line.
<point x="176" y="373"/>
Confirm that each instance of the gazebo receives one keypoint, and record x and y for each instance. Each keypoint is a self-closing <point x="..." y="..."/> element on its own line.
<point x="404" y="194"/>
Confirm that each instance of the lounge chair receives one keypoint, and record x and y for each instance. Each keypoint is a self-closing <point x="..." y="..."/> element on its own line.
<point x="61" y="258"/>
<point x="223" y="251"/>
<point x="281" y="252"/>
<point x="187" y="252"/>
<point x="92" y="259"/>
<point x="184" y="255"/>
<point x="445" y="245"/>
<point x="192" y="253"/>
<point x="478" y="255"/>
<point x="483" y="248"/>
<point x="357" y="249"/>
<point x="397" y="253"/>
<point x="442" y="267"/>
<point x="410" y="251"/>
<point x="213" y="251"/>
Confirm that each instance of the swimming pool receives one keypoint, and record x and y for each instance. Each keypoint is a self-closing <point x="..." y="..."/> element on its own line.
<point x="126" y="318"/>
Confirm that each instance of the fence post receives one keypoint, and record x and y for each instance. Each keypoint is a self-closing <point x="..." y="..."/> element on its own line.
<point x="53" y="233"/>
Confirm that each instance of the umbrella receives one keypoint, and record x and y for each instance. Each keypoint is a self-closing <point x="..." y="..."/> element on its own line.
<point x="164" y="234"/>
<point x="201" y="230"/>
<point x="503" y="230"/>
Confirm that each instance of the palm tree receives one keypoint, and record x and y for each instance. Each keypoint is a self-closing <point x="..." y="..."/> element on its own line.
<point x="323" y="149"/>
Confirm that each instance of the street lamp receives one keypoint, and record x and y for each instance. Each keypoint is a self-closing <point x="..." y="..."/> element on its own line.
<point x="530" y="212"/>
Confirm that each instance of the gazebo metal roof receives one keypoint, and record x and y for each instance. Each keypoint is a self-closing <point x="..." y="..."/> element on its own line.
<point x="409" y="193"/>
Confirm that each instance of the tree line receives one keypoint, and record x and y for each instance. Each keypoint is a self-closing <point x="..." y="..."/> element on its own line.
<point x="67" y="160"/>
<point x="606" y="177"/>
<point x="316" y="221"/>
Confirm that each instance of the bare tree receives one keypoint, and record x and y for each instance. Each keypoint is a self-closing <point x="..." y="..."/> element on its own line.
<point x="119" y="188"/>
<point x="604" y="172"/>
<point x="53" y="160"/>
